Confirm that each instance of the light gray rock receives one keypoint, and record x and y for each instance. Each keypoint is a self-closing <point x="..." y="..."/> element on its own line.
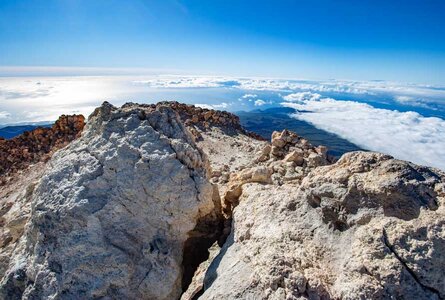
<point x="15" y="210"/>
<point x="112" y="214"/>
<point x="127" y="212"/>
<point x="366" y="227"/>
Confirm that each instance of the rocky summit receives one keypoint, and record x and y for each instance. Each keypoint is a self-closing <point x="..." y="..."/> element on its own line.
<point x="171" y="201"/>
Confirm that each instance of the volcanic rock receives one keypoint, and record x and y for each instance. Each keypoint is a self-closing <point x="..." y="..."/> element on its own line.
<point x="366" y="227"/>
<point x="115" y="212"/>
<point x="128" y="211"/>
<point x="36" y="145"/>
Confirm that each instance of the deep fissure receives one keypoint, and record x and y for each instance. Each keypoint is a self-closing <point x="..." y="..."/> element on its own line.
<point x="208" y="230"/>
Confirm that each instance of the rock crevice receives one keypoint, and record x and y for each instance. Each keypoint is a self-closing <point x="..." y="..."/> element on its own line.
<point x="408" y="269"/>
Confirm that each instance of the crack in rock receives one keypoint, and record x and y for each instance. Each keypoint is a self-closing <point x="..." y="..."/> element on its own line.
<point x="405" y="265"/>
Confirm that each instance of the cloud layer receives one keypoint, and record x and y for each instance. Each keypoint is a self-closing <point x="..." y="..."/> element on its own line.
<point x="405" y="135"/>
<point x="408" y="94"/>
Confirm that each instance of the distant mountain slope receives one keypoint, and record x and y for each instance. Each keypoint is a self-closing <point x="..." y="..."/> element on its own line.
<point x="264" y="122"/>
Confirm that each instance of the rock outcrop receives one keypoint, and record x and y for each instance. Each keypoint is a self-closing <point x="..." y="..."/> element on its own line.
<point x="366" y="227"/>
<point x="115" y="212"/>
<point x="287" y="159"/>
<point x="132" y="208"/>
<point x="36" y="145"/>
<point x="203" y="119"/>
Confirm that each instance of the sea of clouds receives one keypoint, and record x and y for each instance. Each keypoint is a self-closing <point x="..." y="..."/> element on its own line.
<point x="401" y="119"/>
<point x="405" y="135"/>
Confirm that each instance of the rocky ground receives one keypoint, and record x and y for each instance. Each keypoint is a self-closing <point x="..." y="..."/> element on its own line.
<point x="132" y="208"/>
<point x="367" y="227"/>
<point x="31" y="147"/>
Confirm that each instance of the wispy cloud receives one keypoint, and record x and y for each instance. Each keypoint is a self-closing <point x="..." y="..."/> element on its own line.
<point x="4" y="114"/>
<point x="261" y="102"/>
<point x="222" y="105"/>
<point x="302" y="96"/>
<point x="248" y="97"/>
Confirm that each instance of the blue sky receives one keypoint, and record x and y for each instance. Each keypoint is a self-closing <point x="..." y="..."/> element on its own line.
<point x="358" y="40"/>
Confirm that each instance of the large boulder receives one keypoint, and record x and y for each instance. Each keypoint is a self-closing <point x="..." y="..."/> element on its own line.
<point x="366" y="227"/>
<point x="113" y="214"/>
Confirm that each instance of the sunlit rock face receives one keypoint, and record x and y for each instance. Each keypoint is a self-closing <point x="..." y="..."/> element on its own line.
<point x="112" y="212"/>
<point x="366" y="227"/>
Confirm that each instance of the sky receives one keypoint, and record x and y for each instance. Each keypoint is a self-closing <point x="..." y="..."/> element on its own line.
<point x="318" y="39"/>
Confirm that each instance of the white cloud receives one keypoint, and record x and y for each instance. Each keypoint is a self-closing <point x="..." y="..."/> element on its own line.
<point x="302" y="85"/>
<point x="188" y="82"/>
<point x="404" y="99"/>
<point x="222" y="105"/>
<point x="203" y="105"/>
<point x="259" y="102"/>
<point x="413" y="101"/>
<point x="303" y="96"/>
<point x="248" y="96"/>
<point x="422" y="95"/>
<point x="405" y="135"/>
<point x="4" y="114"/>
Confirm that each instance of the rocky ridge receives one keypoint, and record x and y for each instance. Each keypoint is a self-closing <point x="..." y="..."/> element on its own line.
<point x="148" y="190"/>
<point x="33" y="146"/>
<point x="287" y="159"/>
<point x="200" y="120"/>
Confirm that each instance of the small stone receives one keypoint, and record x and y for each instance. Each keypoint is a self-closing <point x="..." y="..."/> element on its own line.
<point x="216" y="173"/>
<point x="295" y="156"/>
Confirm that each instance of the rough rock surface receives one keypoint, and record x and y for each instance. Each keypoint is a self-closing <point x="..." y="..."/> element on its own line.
<point x="366" y="227"/>
<point x="239" y="160"/>
<point x="199" y="119"/>
<point x="115" y="211"/>
<point x="36" y="145"/>
<point x="130" y="209"/>
<point x="15" y="210"/>
<point x="288" y="159"/>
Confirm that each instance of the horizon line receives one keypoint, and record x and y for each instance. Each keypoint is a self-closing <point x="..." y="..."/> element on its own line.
<point x="82" y="71"/>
